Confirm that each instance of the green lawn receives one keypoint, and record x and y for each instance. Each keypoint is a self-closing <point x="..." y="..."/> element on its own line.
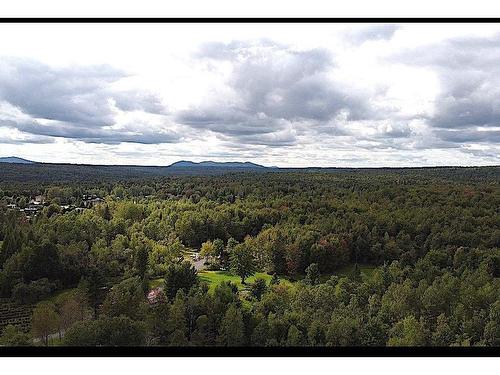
<point x="213" y="278"/>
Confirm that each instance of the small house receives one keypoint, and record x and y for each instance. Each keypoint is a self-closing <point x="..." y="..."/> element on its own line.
<point x="155" y="295"/>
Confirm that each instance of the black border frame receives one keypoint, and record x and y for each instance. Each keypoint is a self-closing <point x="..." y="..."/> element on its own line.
<point x="215" y="351"/>
<point x="249" y="20"/>
<point x="218" y="351"/>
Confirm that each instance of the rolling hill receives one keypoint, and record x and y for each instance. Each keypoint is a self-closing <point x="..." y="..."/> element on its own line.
<point x="214" y="164"/>
<point x="15" y="160"/>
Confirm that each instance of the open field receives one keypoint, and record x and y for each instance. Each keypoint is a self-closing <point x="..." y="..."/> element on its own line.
<point x="214" y="278"/>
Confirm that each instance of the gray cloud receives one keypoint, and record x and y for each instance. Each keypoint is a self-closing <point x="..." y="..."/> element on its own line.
<point x="468" y="135"/>
<point x="236" y="49"/>
<point x="139" y="101"/>
<point x="286" y="137"/>
<point x="469" y="76"/>
<point x="76" y="95"/>
<point x="229" y="121"/>
<point x="456" y="53"/>
<point x="402" y="131"/>
<point x="93" y="135"/>
<point x="375" y="32"/>
<point x="489" y="154"/>
<point x="76" y="102"/>
<point x="468" y="99"/>
<point x="23" y="138"/>
<point x="274" y="87"/>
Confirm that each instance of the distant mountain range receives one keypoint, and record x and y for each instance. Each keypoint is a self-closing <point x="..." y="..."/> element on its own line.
<point x="18" y="169"/>
<point x="180" y="164"/>
<point x="15" y="160"/>
<point x="214" y="164"/>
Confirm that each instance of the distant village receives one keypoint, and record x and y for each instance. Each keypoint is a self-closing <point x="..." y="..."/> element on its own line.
<point x="36" y="204"/>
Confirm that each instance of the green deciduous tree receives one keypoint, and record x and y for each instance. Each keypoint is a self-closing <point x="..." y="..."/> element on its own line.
<point x="443" y="334"/>
<point x="207" y="249"/>
<point x="45" y="321"/>
<point x="126" y="298"/>
<point x="294" y="337"/>
<point x="106" y="331"/>
<point x="408" y="332"/>
<point x="13" y="336"/>
<point x="242" y="262"/>
<point x="312" y="274"/>
<point x="11" y="244"/>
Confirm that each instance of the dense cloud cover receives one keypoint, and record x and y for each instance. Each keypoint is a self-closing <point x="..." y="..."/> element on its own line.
<point x="367" y="99"/>
<point x="77" y="102"/>
<point x="274" y="91"/>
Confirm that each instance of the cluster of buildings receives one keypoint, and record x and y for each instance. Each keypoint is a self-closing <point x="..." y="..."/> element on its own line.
<point x="36" y="204"/>
<point x="90" y="200"/>
<point x="32" y="208"/>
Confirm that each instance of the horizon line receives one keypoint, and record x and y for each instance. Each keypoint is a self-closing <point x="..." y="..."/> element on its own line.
<point x="242" y="162"/>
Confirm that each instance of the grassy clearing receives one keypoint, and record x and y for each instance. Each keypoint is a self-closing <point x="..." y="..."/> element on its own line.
<point x="57" y="297"/>
<point x="366" y="272"/>
<point x="214" y="278"/>
<point x="155" y="283"/>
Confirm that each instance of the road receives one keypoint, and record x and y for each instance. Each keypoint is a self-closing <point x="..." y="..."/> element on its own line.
<point x="198" y="264"/>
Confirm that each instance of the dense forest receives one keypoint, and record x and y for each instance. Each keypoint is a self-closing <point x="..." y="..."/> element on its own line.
<point x="381" y="257"/>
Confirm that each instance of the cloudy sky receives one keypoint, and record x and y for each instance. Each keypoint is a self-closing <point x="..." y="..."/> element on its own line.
<point x="286" y="95"/>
